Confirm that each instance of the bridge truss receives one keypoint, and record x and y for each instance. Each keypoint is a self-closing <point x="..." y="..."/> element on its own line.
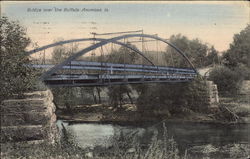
<point x="77" y="72"/>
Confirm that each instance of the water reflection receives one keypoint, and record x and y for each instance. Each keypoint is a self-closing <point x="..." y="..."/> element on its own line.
<point x="88" y="135"/>
<point x="187" y="135"/>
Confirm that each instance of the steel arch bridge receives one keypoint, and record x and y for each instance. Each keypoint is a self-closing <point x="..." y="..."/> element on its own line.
<point x="157" y="73"/>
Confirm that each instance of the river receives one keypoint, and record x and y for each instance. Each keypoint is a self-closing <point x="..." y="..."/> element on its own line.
<point x="197" y="139"/>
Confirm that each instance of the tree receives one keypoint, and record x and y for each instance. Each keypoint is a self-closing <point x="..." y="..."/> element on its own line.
<point x="65" y="95"/>
<point x="212" y="57"/>
<point x="16" y="76"/>
<point x="236" y="65"/>
<point x="239" y="52"/>
<point x="197" y="52"/>
<point x="123" y="55"/>
<point x="61" y="52"/>
<point x="117" y="93"/>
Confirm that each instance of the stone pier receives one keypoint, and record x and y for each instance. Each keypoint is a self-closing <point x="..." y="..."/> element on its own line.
<point x="213" y="94"/>
<point x="29" y="119"/>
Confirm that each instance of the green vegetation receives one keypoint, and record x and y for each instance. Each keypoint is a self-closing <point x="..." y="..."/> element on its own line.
<point x="123" y="147"/>
<point x="238" y="54"/>
<point x="16" y="77"/>
<point x="228" y="81"/>
<point x="68" y="97"/>
<point x="236" y="65"/>
<point x="199" y="53"/>
<point x="117" y="93"/>
<point x="176" y="98"/>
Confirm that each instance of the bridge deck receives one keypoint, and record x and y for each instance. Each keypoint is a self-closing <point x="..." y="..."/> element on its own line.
<point x="88" y="80"/>
<point x="110" y="73"/>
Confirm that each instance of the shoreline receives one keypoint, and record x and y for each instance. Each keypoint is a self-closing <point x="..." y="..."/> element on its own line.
<point x="73" y="119"/>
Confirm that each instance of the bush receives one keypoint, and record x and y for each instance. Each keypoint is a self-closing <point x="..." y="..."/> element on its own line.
<point x="228" y="80"/>
<point x="175" y="97"/>
<point x="66" y="97"/>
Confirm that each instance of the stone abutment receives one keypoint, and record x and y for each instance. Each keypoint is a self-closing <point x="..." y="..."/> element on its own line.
<point x="31" y="118"/>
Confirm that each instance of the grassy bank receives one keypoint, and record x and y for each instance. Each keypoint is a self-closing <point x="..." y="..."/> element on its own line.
<point x="123" y="147"/>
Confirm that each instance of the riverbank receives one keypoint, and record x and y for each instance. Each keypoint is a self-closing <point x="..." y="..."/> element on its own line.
<point x="184" y="141"/>
<point x="104" y="114"/>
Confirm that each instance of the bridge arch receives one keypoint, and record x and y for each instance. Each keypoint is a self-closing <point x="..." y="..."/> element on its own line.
<point x="88" y="39"/>
<point x="101" y="43"/>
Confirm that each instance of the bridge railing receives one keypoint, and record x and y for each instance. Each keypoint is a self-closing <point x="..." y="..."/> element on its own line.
<point x="94" y="80"/>
<point x="112" y="68"/>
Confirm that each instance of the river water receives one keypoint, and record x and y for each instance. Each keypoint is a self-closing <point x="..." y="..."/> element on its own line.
<point x="189" y="136"/>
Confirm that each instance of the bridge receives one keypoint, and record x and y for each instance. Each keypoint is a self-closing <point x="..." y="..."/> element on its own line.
<point x="75" y="72"/>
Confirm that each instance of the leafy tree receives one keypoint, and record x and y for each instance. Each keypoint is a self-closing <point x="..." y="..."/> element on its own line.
<point x="239" y="51"/>
<point x="197" y="52"/>
<point x="90" y="91"/>
<point x="65" y="95"/>
<point x="60" y="53"/>
<point x="212" y="57"/>
<point x="117" y="93"/>
<point x="16" y="77"/>
<point x="236" y="65"/>
<point x="123" y="55"/>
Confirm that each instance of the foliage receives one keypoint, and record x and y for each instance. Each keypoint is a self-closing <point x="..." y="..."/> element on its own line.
<point x="236" y="65"/>
<point x="238" y="55"/>
<point x="227" y="80"/>
<point x="91" y="93"/>
<point x="127" y="146"/>
<point x="116" y="93"/>
<point x="175" y="97"/>
<point x="64" y="96"/>
<point x="123" y="55"/>
<point x="199" y="54"/>
<point x="16" y="77"/>
<point x="212" y="57"/>
<point x="67" y="96"/>
<point x="60" y="53"/>
<point x="67" y="148"/>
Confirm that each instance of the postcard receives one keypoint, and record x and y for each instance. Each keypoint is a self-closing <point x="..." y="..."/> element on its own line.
<point x="125" y="79"/>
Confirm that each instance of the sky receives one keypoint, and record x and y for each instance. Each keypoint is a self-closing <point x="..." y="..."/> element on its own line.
<point x="212" y="22"/>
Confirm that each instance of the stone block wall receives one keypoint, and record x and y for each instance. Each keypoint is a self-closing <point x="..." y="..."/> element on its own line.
<point x="213" y="94"/>
<point x="245" y="88"/>
<point x="29" y="119"/>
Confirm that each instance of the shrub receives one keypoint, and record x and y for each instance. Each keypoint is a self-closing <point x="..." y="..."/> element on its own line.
<point x="174" y="97"/>
<point x="228" y="80"/>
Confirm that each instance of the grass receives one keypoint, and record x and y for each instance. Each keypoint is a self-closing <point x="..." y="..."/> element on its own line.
<point x="124" y="147"/>
<point x="238" y="105"/>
